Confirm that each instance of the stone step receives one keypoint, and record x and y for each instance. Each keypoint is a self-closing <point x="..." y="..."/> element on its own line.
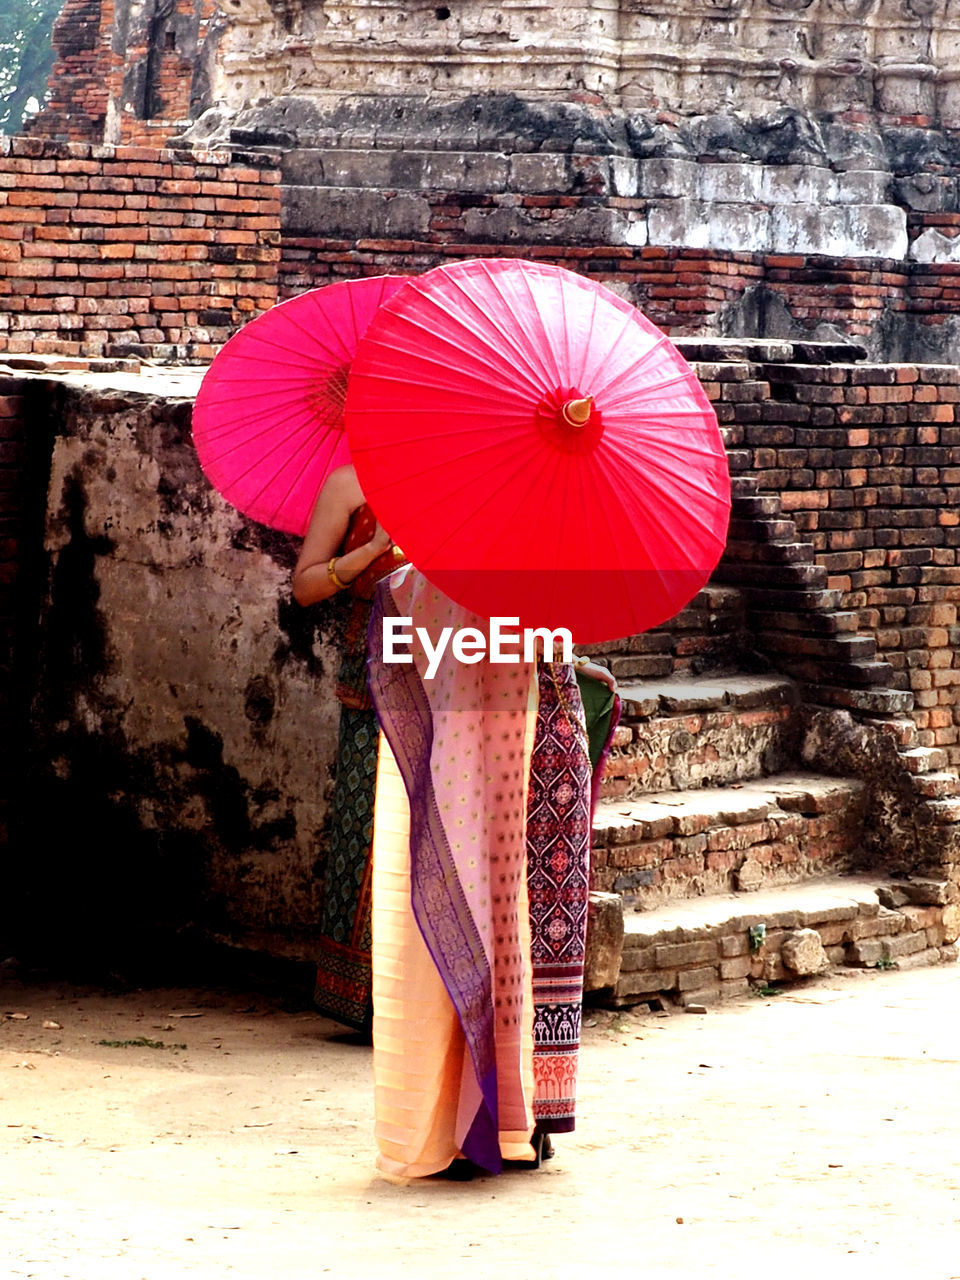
<point x="936" y="786"/>
<point x="836" y="622"/>
<point x="892" y="702"/>
<point x="701" y="951"/>
<point x="835" y="671"/>
<point x="900" y="728"/>
<point x="774" y="600"/>
<point x="749" y="505"/>
<point x="709" y="633"/>
<point x="805" y="577"/>
<point x="779" y="552"/>
<point x="924" y="759"/>
<point x="742" y="487"/>
<point x="846" y="647"/>
<point x="705" y="693"/>
<point x="945" y="812"/>
<point x="682" y="844"/>
<point x="763" y="529"/>
<point x="694" y="731"/>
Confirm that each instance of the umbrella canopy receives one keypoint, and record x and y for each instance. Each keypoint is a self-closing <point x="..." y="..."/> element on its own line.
<point x="538" y="448"/>
<point x="268" y="421"/>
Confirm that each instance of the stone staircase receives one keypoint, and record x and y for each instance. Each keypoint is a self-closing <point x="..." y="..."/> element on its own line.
<point x="795" y="618"/>
<point x="720" y="861"/>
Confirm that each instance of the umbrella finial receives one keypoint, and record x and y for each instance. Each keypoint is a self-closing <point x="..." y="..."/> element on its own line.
<point x="576" y="413"/>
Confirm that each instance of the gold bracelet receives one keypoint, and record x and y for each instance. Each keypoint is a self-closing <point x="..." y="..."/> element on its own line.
<point x="332" y="575"/>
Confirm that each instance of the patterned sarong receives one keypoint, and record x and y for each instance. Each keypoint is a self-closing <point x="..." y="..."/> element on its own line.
<point x="558" y="870"/>
<point x="343" y="960"/>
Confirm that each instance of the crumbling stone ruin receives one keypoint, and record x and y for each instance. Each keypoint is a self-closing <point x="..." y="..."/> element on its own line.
<point x="773" y="181"/>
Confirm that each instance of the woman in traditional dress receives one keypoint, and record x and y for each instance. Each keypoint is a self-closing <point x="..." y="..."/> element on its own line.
<point x="481" y="865"/>
<point x="535" y="816"/>
<point x="346" y="550"/>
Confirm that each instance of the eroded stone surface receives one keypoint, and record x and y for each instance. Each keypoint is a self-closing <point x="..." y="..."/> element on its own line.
<point x="876" y="56"/>
<point x="604" y="941"/>
<point x="749" y="876"/>
<point x="803" y="954"/>
<point x="184" y="719"/>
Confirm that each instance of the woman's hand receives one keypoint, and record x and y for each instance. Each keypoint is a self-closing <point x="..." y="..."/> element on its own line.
<point x="596" y="672"/>
<point x="380" y="542"/>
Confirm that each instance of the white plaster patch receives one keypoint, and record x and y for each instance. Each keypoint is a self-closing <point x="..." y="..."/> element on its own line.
<point x="934" y="246"/>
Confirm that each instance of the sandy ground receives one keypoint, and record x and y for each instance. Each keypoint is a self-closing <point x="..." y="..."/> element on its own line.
<point x="815" y="1129"/>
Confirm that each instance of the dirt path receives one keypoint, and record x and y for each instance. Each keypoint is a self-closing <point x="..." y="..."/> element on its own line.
<point x="818" y="1129"/>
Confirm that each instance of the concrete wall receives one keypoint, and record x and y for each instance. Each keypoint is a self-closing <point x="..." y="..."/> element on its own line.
<point x="183" y="724"/>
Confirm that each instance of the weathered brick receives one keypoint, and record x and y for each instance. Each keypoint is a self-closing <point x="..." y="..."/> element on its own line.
<point x="686" y="953"/>
<point x="697" y="979"/>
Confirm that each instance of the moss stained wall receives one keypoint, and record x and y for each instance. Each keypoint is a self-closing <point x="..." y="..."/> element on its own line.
<point x="183" y="725"/>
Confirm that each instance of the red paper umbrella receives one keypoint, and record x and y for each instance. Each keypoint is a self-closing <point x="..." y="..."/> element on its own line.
<point x="268" y="421"/>
<point x="538" y="448"/>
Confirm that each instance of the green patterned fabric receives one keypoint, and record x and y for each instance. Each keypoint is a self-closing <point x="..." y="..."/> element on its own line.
<point x="343" y="964"/>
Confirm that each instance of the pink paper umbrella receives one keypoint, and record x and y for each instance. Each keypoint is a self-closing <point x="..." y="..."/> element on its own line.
<point x="538" y="448"/>
<point x="268" y="421"/>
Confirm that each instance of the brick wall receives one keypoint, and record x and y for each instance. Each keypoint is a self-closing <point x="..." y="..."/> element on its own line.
<point x="131" y="250"/>
<point x="685" y="291"/>
<point x="125" y="73"/>
<point x="897" y="306"/>
<point x="860" y="534"/>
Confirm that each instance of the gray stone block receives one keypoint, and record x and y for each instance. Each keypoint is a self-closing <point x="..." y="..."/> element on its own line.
<point x="876" y="231"/>
<point x="734" y="944"/>
<point x="541" y="173"/>
<point x="685" y="953"/>
<point x="735" y="988"/>
<point x="478" y="173"/>
<point x="354" y="214"/>
<point x="905" y="944"/>
<point x="636" y="959"/>
<point x="892" y="896"/>
<point x="927" y="192"/>
<point x="573" y="226"/>
<point x="668" y="177"/>
<point x="797" y="184"/>
<point x="924" y="892"/>
<point x="731" y="183"/>
<point x="737" y="967"/>
<point x="625" y="176"/>
<point x="863" y="186"/>
<point x="699" y="1001"/>
<point x="865" y="952"/>
<point x="637" y="984"/>
<point x="919" y="959"/>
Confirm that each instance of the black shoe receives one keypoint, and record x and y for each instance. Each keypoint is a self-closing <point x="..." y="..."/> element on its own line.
<point x="542" y="1149"/>
<point x="459" y="1170"/>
